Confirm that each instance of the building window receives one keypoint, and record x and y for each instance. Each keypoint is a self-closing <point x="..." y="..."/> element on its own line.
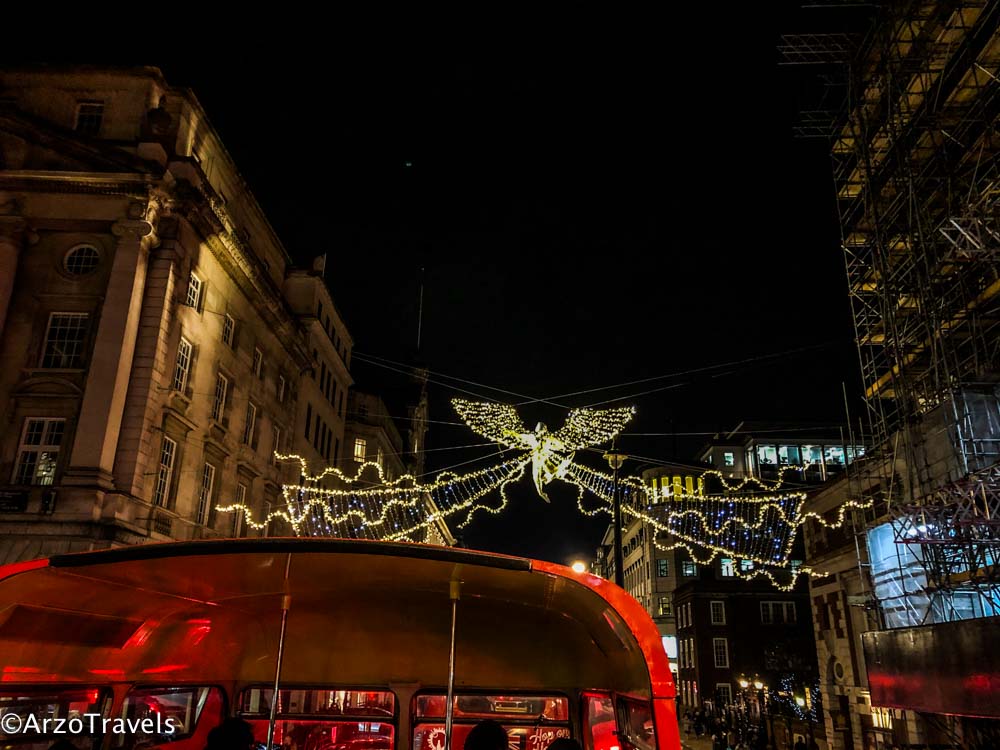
<point x="767" y="455"/>
<point x="811" y="454"/>
<point x="81" y="260"/>
<point x="834" y="455"/>
<point x="89" y="118"/>
<point x="281" y="388"/>
<point x="727" y="567"/>
<point x="228" y="328"/>
<point x="241" y="499"/>
<point x="789" y="455"/>
<point x="720" y="652"/>
<point x="183" y="365"/>
<point x="250" y="424"/>
<point x="746" y="566"/>
<point x="205" y="493"/>
<point x="221" y="391"/>
<point x="38" y="452"/>
<point x="718" y="612"/>
<point x="689" y="569"/>
<point x="193" y="298"/>
<point x="882" y="717"/>
<point x="359" y="449"/>
<point x="666" y="608"/>
<point x="65" y="339"/>
<point x="380" y="458"/>
<point x="729" y="459"/>
<point x="724" y="694"/>
<point x="258" y="362"/>
<point x="276" y="444"/>
<point x="777" y="613"/>
<point x="309" y="415"/>
<point x="662" y="567"/>
<point x="168" y="452"/>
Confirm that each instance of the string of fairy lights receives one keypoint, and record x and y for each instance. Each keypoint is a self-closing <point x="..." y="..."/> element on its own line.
<point x="751" y="523"/>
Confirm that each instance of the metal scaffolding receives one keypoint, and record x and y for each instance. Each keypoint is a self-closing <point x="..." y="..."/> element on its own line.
<point x="916" y="163"/>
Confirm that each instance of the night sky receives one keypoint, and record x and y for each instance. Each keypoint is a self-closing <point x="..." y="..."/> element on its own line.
<point x="589" y="208"/>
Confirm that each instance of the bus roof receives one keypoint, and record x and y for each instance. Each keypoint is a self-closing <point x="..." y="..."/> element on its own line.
<point x="362" y="613"/>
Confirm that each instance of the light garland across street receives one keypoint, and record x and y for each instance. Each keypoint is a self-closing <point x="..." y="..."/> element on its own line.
<point x="752" y="522"/>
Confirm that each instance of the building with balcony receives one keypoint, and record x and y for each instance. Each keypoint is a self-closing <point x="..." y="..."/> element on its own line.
<point x="764" y="449"/>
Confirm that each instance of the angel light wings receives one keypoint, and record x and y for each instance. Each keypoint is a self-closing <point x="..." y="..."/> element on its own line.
<point x="751" y="524"/>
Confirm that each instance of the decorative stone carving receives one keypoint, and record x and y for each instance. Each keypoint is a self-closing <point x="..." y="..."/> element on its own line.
<point x="132" y="229"/>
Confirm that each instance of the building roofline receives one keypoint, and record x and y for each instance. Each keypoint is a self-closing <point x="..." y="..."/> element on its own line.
<point x="154" y="73"/>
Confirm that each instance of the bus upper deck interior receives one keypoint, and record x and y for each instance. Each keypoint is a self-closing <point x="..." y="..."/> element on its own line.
<point x="191" y="632"/>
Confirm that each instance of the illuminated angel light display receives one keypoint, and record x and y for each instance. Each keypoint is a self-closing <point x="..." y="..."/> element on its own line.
<point x="753" y="523"/>
<point x="551" y="452"/>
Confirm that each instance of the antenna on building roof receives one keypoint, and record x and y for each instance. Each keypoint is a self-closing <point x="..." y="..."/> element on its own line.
<point x="420" y="309"/>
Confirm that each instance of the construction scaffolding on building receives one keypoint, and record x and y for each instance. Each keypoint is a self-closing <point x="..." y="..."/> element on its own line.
<point x="916" y="163"/>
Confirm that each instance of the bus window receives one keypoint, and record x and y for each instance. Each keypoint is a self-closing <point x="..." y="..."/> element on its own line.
<point x="311" y="719"/>
<point x="599" y="722"/>
<point x="532" y="722"/>
<point x="323" y="702"/>
<point x="638" y="722"/>
<point x="179" y="716"/>
<point x="44" y="708"/>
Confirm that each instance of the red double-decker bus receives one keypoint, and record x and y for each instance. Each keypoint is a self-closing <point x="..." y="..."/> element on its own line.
<point x="325" y="644"/>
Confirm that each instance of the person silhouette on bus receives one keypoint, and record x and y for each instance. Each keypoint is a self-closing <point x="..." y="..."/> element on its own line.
<point x="232" y="734"/>
<point x="487" y="735"/>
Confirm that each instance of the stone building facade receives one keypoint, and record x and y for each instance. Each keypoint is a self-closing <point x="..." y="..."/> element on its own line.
<point x="158" y="345"/>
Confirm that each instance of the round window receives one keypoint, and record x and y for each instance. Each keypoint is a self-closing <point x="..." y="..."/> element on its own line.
<point x="838" y="670"/>
<point x="81" y="260"/>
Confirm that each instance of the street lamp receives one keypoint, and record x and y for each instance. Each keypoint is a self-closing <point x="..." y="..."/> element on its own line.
<point x="764" y="700"/>
<point x="615" y="460"/>
<point x="579" y="566"/>
<point x="744" y="707"/>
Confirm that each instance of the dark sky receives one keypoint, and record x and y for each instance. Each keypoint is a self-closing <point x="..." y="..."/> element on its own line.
<point x="590" y="208"/>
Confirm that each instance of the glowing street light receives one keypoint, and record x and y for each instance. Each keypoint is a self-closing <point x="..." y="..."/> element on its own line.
<point x="579" y="566"/>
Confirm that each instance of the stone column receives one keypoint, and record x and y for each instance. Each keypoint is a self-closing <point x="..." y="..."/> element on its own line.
<point x="12" y="233"/>
<point x="93" y="456"/>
